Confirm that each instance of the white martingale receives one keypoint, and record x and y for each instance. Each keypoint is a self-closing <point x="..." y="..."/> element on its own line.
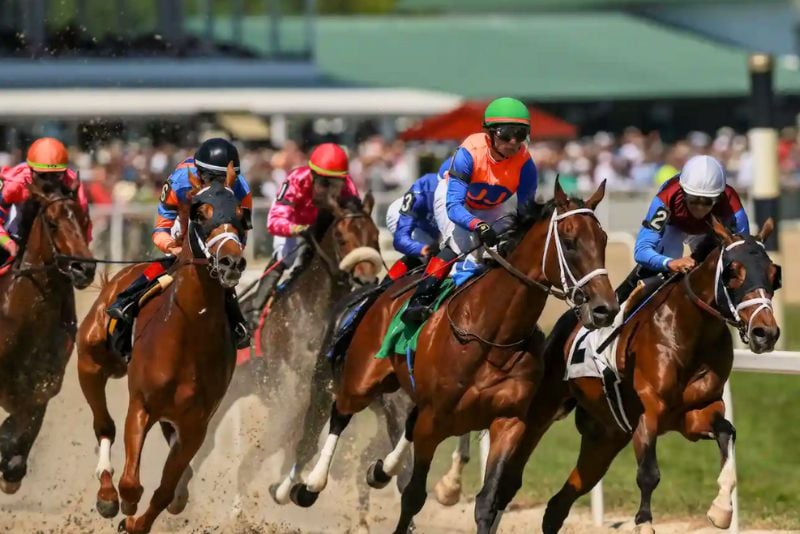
<point x="318" y="478"/>
<point x="552" y="233"/>
<point x="104" y="458"/>
<point x="393" y="460"/>
<point x="763" y="302"/>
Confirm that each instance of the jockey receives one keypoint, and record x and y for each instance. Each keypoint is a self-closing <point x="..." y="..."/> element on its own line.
<point x="47" y="159"/>
<point x="210" y="163"/>
<point x="679" y="214"/>
<point x="486" y="171"/>
<point x="411" y="221"/>
<point x="295" y="209"/>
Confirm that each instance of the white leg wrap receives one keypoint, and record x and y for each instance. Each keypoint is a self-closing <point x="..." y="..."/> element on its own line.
<point x="282" y="493"/>
<point x="318" y="478"/>
<point x="104" y="458"/>
<point x="393" y="460"/>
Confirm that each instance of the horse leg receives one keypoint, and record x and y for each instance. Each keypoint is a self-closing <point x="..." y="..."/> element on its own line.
<point x="178" y="503"/>
<point x="178" y="459"/>
<point x="448" y="489"/>
<point x="647" y="474"/>
<point x="17" y="434"/>
<point x="503" y="472"/>
<point x="380" y="473"/>
<point x="396" y="407"/>
<point x="305" y="494"/>
<point x="426" y="439"/>
<point x="93" y="380"/>
<point x="598" y="449"/>
<point x="137" y="424"/>
<point x="313" y="423"/>
<point x="706" y="423"/>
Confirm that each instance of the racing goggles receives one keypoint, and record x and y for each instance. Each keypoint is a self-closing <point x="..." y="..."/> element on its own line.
<point x="701" y="201"/>
<point x="507" y="132"/>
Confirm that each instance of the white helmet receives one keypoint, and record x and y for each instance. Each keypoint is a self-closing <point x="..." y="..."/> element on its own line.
<point x="703" y="176"/>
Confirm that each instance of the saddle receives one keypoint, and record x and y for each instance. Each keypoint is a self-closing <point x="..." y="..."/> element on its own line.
<point x="122" y="342"/>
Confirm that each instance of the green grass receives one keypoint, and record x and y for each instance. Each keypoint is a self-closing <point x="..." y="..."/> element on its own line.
<point x="767" y="419"/>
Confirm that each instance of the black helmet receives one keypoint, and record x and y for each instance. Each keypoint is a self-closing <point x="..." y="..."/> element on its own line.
<point x="213" y="156"/>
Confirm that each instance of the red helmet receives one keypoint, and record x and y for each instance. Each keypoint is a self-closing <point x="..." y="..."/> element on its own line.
<point x="47" y="155"/>
<point x="330" y="160"/>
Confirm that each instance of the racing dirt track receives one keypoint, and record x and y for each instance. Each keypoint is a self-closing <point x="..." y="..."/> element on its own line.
<point x="59" y="492"/>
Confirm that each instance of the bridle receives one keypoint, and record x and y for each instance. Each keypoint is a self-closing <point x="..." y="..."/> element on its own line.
<point x="23" y="267"/>
<point x="333" y="265"/>
<point x="763" y="302"/>
<point x="571" y="287"/>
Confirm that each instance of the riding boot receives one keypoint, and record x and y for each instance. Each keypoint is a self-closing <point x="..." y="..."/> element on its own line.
<point x="403" y="265"/>
<point x="236" y="319"/>
<point x="266" y="286"/>
<point x="628" y="285"/>
<point x="123" y="311"/>
<point x="419" y="307"/>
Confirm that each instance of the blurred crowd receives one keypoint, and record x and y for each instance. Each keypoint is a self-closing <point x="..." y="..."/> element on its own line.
<point x="133" y="172"/>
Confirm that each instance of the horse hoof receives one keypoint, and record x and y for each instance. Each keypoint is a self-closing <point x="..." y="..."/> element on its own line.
<point x="719" y="517"/>
<point x="302" y="497"/>
<point x="644" y="528"/>
<point x="447" y="491"/>
<point x="376" y="477"/>
<point x="107" y="509"/>
<point x="279" y="494"/>
<point x="9" y="488"/>
<point x="178" y="504"/>
<point x="129" y="508"/>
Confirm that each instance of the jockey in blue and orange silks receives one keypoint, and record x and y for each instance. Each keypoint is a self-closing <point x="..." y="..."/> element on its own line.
<point x="488" y="169"/>
<point x="210" y="163"/>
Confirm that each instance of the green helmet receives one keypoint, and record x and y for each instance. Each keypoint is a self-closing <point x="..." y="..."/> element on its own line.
<point x="506" y="110"/>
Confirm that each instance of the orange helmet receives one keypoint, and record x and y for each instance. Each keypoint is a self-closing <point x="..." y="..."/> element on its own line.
<point x="47" y="155"/>
<point x="329" y="160"/>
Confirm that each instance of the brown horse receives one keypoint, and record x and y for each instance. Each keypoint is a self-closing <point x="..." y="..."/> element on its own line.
<point x="478" y="360"/>
<point x="182" y="361"/>
<point x="37" y="318"/>
<point x="674" y="357"/>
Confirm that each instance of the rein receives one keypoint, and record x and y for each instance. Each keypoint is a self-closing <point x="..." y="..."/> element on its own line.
<point x="331" y="265"/>
<point x="21" y="269"/>
<point x="564" y="293"/>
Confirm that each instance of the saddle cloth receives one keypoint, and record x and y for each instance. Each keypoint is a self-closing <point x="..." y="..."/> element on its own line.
<point x="586" y="361"/>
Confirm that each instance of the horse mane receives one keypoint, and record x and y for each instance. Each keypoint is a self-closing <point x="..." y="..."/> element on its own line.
<point x="351" y="204"/>
<point x="531" y="213"/>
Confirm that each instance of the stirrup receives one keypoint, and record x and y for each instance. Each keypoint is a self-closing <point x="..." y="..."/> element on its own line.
<point x="241" y="335"/>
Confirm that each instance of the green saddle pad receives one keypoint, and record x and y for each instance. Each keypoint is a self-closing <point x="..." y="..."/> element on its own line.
<point x="401" y="337"/>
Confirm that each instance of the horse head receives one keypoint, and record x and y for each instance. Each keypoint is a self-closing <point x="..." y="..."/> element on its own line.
<point x="564" y="245"/>
<point x="216" y="228"/>
<point x="354" y="238"/>
<point x="58" y="227"/>
<point x="745" y="281"/>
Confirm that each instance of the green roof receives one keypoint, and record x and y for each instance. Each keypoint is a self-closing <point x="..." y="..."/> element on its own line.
<point x="546" y="56"/>
<point x="495" y="6"/>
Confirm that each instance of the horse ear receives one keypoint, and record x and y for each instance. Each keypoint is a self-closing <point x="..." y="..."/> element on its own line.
<point x="722" y="233"/>
<point x="598" y="195"/>
<point x="197" y="185"/>
<point x="368" y="203"/>
<point x="230" y="176"/>
<point x="559" y="195"/>
<point x="766" y="230"/>
<point x="334" y="207"/>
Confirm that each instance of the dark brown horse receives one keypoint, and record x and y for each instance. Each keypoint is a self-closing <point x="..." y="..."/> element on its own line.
<point x="37" y="318"/>
<point x="674" y="357"/>
<point x="182" y="361"/>
<point x="478" y="361"/>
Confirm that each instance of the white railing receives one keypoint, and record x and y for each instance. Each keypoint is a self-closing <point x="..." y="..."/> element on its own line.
<point x="778" y="362"/>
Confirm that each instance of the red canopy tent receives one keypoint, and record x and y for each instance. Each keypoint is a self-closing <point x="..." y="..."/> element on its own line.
<point x="467" y="119"/>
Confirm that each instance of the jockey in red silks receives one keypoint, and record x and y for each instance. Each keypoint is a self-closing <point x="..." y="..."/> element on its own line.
<point x="47" y="160"/>
<point x="295" y="209"/>
<point x="210" y="163"/>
